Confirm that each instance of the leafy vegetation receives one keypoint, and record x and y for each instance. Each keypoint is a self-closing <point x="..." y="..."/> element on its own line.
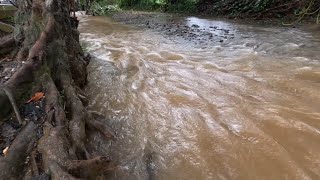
<point x="102" y="8"/>
<point x="98" y="6"/>
<point x="233" y="8"/>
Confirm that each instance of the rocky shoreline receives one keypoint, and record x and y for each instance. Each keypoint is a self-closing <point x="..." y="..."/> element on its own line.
<point x="175" y="26"/>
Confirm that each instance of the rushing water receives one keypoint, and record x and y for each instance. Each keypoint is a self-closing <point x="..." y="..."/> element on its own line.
<point x="248" y="108"/>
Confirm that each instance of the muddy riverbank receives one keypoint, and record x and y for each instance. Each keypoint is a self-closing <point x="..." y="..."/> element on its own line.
<point x="172" y="27"/>
<point x="202" y="33"/>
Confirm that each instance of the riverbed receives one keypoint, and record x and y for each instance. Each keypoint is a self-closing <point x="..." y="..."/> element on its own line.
<point x="209" y="99"/>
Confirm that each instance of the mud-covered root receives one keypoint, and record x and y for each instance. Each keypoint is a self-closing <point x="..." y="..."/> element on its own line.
<point x="7" y="41"/>
<point x="77" y="115"/>
<point x="83" y="97"/>
<point x="89" y="169"/>
<point x="12" y="165"/>
<point x="58" y="155"/>
<point x="58" y="151"/>
<point x="13" y="104"/>
<point x="7" y="44"/>
<point x="94" y="122"/>
<point x="54" y="145"/>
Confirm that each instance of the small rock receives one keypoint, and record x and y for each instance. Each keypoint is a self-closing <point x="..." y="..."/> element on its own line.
<point x="195" y="26"/>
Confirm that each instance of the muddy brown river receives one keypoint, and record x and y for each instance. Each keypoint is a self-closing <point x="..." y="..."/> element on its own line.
<point x="245" y="108"/>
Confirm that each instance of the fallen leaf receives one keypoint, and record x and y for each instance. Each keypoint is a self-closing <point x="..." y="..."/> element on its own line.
<point x="36" y="97"/>
<point x="5" y="151"/>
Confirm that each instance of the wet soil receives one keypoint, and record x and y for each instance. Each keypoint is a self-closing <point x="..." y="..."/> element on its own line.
<point x="10" y="128"/>
<point x="8" y="67"/>
<point x="33" y="111"/>
<point x="8" y="64"/>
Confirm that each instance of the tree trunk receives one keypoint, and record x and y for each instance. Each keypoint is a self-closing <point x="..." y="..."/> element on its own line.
<point x="48" y="41"/>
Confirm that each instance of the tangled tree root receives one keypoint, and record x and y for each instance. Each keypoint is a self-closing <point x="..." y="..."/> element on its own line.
<point x="13" y="104"/>
<point x="55" y="64"/>
<point x="17" y="155"/>
<point x="7" y="44"/>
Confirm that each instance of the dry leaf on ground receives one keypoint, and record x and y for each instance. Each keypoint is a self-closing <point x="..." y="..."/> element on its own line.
<point x="36" y="97"/>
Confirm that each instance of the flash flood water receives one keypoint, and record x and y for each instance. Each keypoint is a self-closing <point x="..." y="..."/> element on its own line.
<point x="246" y="108"/>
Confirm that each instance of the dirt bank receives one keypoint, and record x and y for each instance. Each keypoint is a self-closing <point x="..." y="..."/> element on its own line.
<point x="201" y="30"/>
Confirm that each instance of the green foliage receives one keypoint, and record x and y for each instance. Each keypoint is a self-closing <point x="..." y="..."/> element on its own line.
<point x="98" y="6"/>
<point x="261" y="5"/>
<point x="142" y="4"/>
<point x="235" y="8"/>
<point x="103" y="7"/>
<point x="184" y="6"/>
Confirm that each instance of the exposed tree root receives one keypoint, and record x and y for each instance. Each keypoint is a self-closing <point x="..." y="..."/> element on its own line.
<point x="58" y="154"/>
<point x="78" y="116"/>
<point x="7" y="41"/>
<point x="4" y="102"/>
<point x="7" y="44"/>
<point x="83" y="97"/>
<point x="34" y="166"/>
<point x="56" y="64"/>
<point x="97" y="166"/>
<point x="13" y="104"/>
<point x="18" y="152"/>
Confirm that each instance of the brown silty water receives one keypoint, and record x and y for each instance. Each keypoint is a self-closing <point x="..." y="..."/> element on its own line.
<point x="247" y="108"/>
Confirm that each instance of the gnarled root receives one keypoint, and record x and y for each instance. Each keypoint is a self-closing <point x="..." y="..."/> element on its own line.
<point x="16" y="157"/>
<point x="55" y="63"/>
<point x="60" y="154"/>
<point x="89" y="169"/>
<point x="13" y="104"/>
<point x="7" y="44"/>
<point x="77" y="115"/>
<point x="55" y="151"/>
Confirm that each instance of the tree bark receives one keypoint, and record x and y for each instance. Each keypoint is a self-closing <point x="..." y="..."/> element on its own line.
<point x="54" y="62"/>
